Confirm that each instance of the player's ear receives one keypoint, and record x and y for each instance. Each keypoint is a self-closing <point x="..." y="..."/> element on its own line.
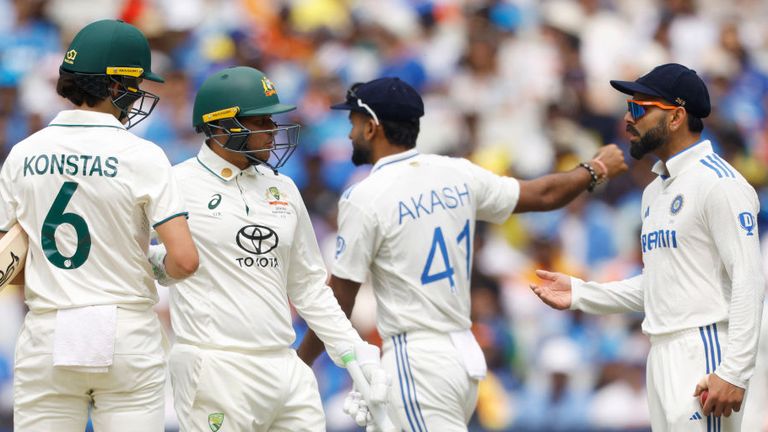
<point x="679" y="118"/>
<point x="370" y="128"/>
<point x="113" y="89"/>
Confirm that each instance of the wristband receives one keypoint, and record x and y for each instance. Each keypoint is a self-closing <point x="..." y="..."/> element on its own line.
<point x="602" y="167"/>
<point x="592" y="174"/>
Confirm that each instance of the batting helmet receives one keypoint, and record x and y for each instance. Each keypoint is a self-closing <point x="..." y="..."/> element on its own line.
<point x="112" y="51"/>
<point x="243" y="92"/>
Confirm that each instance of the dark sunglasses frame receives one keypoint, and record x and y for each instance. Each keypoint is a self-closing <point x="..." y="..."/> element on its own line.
<point x="637" y="109"/>
<point x="352" y="95"/>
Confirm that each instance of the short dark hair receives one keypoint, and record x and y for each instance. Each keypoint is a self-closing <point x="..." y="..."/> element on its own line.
<point x="402" y="133"/>
<point x="695" y="124"/>
<point x="80" y="89"/>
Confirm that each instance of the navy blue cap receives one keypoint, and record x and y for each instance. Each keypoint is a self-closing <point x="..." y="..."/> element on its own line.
<point x="389" y="98"/>
<point x="673" y="82"/>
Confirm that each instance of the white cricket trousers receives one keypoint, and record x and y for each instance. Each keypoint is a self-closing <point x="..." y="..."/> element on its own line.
<point x="234" y="391"/>
<point x="127" y="398"/>
<point x="431" y="390"/>
<point x="676" y="363"/>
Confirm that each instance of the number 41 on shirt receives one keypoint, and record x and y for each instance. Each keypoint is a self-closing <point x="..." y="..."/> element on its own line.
<point x="438" y="243"/>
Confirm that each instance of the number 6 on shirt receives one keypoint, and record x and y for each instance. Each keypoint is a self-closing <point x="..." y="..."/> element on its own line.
<point x="57" y="216"/>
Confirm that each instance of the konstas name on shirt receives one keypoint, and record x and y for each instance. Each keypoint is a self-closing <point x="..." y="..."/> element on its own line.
<point x="426" y="203"/>
<point x="71" y="164"/>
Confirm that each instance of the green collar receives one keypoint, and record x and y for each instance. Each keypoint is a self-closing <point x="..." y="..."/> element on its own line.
<point x="84" y="118"/>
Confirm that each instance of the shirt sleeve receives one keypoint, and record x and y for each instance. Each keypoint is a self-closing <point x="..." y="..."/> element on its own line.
<point x="9" y="206"/>
<point x="496" y="196"/>
<point x="311" y="296"/>
<point x="607" y="298"/>
<point x="357" y="241"/>
<point x="730" y="214"/>
<point x="158" y="190"/>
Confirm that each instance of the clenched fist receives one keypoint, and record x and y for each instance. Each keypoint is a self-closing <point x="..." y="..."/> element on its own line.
<point x="609" y="161"/>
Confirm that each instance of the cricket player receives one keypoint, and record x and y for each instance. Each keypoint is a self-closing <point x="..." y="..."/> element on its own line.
<point x="87" y="191"/>
<point x="702" y="285"/>
<point x="232" y="366"/>
<point x="411" y="224"/>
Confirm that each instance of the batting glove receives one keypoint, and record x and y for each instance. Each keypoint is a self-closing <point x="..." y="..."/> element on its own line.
<point x="370" y="362"/>
<point x="356" y="407"/>
<point x="156" y="257"/>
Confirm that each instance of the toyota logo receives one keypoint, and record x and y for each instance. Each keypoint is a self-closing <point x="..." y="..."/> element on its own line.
<point x="257" y="239"/>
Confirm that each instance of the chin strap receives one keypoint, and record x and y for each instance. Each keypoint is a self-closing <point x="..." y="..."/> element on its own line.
<point x="256" y="161"/>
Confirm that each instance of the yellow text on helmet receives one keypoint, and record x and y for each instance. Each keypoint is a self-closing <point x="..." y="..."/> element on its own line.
<point x="220" y="114"/>
<point x="127" y="71"/>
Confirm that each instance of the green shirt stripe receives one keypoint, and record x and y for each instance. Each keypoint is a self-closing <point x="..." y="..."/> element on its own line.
<point x="185" y="214"/>
<point x="86" y="125"/>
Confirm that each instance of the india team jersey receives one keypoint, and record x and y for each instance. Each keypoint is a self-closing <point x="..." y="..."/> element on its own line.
<point x="86" y="191"/>
<point x="257" y="250"/>
<point x="412" y="222"/>
<point x="701" y="257"/>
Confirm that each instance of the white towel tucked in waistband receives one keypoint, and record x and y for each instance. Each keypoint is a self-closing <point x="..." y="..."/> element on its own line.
<point x="470" y="353"/>
<point x="85" y="338"/>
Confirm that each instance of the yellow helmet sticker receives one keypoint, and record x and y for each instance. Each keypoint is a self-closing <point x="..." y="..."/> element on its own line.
<point x="220" y="114"/>
<point x="70" y="57"/>
<point x="128" y="71"/>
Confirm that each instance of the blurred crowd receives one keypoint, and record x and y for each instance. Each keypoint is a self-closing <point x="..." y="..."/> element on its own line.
<point x="518" y="86"/>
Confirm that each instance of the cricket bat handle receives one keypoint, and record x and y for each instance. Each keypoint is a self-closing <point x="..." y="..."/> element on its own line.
<point x="378" y="410"/>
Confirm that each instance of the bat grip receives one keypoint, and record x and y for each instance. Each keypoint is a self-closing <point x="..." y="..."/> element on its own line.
<point x="378" y="410"/>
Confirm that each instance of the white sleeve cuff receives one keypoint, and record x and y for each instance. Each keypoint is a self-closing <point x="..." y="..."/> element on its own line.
<point x="576" y="285"/>
<point x="730" y="379"/>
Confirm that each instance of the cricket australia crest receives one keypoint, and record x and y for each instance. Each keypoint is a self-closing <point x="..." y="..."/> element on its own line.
<point x="215" y="421"/>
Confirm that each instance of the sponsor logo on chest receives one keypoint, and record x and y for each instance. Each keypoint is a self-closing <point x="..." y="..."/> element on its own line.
<point x="213" y="206"/>
<point x="257" y="240"/>
<point x="278" y="201"/>
<point x="666" y="236"/>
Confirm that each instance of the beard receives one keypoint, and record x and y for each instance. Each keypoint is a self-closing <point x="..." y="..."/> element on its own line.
<point x="360" y="155"/>
<point x="649" y="141"/>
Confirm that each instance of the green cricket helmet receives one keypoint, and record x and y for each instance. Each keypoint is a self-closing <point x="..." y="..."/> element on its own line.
<point x="238" y="92"/>
<point x="113" y="51"/>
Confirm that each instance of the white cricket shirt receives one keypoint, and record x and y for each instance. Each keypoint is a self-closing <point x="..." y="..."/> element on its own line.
<point x="257" y="250"/>
<point x="412" y="223"/>
<point x="86" y="192"/>
<point x="701" y="258"/>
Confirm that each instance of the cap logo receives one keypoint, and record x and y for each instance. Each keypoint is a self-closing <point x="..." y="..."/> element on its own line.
<point x="680" y="101"/>
<point x="269" y="87"/>
<point x="70" y="57"/>
<point x="220" y="114"/>
<point x="127" y="71"/>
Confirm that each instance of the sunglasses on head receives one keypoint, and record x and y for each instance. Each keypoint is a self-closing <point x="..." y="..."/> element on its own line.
<point x="637" y="109"/>
<point x="352" y="95"/>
